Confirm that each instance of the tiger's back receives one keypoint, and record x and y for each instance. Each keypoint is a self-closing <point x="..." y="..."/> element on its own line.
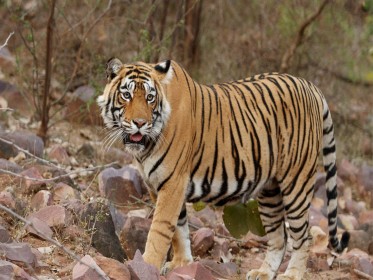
<point x="258" y="137"/>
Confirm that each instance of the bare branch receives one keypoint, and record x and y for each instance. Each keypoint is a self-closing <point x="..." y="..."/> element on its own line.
<point x="79" y="172"/>
<point x="362" y="274"/>
<point x="288" y="55"/>
<point x="54" y="242"/>
<point x="6" y="41"/>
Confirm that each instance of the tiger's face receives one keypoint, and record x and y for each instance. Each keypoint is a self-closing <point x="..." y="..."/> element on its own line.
<point x="134" y="106"/>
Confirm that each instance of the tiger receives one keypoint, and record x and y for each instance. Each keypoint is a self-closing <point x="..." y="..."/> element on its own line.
<point x="258" y="137"/>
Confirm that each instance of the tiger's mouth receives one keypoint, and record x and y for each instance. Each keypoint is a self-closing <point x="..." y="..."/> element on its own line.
<point x="136" y="138"/>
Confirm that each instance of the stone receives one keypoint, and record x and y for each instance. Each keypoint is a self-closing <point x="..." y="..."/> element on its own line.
<point x="202" y="241"/>
<point x="24" y="139"/>
<point x="74" y="232"/>
<point x="316" y="218"/>
<point x="118" y="185"/>
<point x="9" y="166"/>
<point x="82" y="107"/>
<point x="59" y="154"/>
<point x="134" y="235"/>
<point x="140" y="270"/>
<point x="222" y="230"/>
<point x="115" y="154"/>
<point x="41" y="199"/>
<point x="366" y="217"/>
<point x="113" y="268"/>
<point x="347" y="171"/>
<point x="53" y="216"/>
<point x="62" y="191"/>
<point x="20" y="252"/>
<point x="207" y="216"/>
<point x="4" y="235"/>
<point x="9" y="270"/>
<point x="87" y="151"/>
<point x="84" y="272"/>
<point x="221" y="270"/>
<point x="194" y="270"/>
<point x="104" y="239"/>
<point x="366" y="177"/>
<point x="359" y="239"/>
<point x="39" y="228"/>
<point x="7" y="199"/>
<point x="51" y="172"/>
<point x="348" y="221"/>
<point x="31" y="186"/>
<point x="220" y="250"/>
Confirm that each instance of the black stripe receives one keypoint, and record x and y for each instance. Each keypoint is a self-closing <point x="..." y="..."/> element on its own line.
<point x="160" y="160"/>
<point x="328" y="150"/>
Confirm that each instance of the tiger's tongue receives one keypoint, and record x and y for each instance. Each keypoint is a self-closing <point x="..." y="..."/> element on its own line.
<point x="136" y="137"/>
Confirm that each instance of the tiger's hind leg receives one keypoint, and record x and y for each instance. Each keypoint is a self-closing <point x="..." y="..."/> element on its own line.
<point x="182" y="254"/>
<point x="272" y="214"/>
<point x="297" y="199"/>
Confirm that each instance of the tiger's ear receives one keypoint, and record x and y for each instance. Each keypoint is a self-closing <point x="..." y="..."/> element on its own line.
<point x="164" y="71"/>
<point x="113" y="67"/>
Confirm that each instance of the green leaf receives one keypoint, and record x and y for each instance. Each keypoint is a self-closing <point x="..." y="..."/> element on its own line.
<point x="198" y="206"/>
<point x="242" y="218"/>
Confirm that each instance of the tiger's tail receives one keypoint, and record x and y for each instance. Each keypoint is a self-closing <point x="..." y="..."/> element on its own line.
<point x="329" y="159"/>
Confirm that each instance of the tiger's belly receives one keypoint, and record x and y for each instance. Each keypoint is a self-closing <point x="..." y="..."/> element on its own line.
<point x="220" y="192"/>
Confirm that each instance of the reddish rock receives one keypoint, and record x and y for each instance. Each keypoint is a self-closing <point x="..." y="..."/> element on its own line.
<point x="59" y="154"/>
<point x="115" y="154"/>
<point x="222" y="230"/>
<point x="7" y="199"/>
<point x="207" y="216"/>
<point x="118" y="185"/>
<point x="62" y="191"/>
<point x="203" y="240"/>
<point x="347" y="170"/>
<point x="41" y="199"/>
<point x="9" y="270"/>
<point x="194" y="270"/>
<point x="24" y="139"/>
<point x="220" y="250"/>
<point x="114" y="269"/>
<point x="74" y="232"/>
<point x="53" y="216"/>
<point x="20" y="252"/>
<point x="5" y="236"/>
<point x="195" y="222"/>
<point x="134" y="235"/>
<point x="140" y="270"/>
<point x="84" y="272"/>
<point x="360" y="260"/>
<point x="32" y="186"/>
<point x="221" y="270"/>
<point x="366" y="177"/>
<point x="39" y="228"/>
<point x="366" y="217"/>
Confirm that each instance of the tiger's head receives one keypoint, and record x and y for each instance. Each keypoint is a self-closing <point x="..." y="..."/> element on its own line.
<point x="133" y="105"/>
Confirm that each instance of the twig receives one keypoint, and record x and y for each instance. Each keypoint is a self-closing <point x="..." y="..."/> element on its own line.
<point x="299" y="38"/>
<point x="6" y="41"/>
<point x="7" y="109"/>
<point x="55" y="242"/>
<point x="60" y="176"/>
<point x="28" y="153"/>
<point x="362" y="274"/>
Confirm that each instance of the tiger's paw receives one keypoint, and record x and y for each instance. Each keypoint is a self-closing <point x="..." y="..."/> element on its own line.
<point x="256" y="274"/>
<point x="168" y="266"/>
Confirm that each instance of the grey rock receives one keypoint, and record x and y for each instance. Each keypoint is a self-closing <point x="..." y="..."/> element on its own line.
<point x="9" y="166"/>
<point x="24" y="139"/>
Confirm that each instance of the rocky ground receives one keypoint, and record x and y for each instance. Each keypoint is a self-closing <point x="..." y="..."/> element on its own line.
<point x="75" y="199"/>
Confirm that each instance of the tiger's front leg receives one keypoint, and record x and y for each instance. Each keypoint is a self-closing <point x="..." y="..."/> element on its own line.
<point x="169" y="203"/>
<point x="182" y="254"/>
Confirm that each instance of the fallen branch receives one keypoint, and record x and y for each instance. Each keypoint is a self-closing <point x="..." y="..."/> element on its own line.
<point x="362" y="274"/>
<point x="54" y="242"/>
<point x="288" y="55"/>
<point x="6" y="41"/>
<point x="78" y="171"/>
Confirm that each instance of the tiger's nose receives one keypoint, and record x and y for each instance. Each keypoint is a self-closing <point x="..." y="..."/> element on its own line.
<point x="139" y="122"/>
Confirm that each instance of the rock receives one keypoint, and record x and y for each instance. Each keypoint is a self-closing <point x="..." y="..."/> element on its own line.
<point x="104" y="239"/>
<point x="195" y="222"/>
<point x="113" y="268"/>
<point x="20" y="252"/>
<point x="43" y="230"/>
<point x="83" y="108"/>
<point x="194" y="270"/>
<point x="142" y="213"/>
<point x="62" y="192"/>
<point x="9" y="270"/>
<point x="317" y="263"/>
<point x="203" y="240"/>
<point x="134" y="235"/>
<point x="221" y="270"/>
<point x="366" y="217"/>
<point x="9" y="166"/>
<point x="141" y="270"/>
<point x="347" y="170"/>
<point x="24" y="139"/>
<point x="74" y="232"/>
<point x="7" y="199"/>
<point x="53" y="216"/>
<point x="41" y="199"/>
<point x="118" y="185"/>
<point x="50" y="172"/>
<point x="360" y="261"/>
<point x="220" y="250"/>
<point x="31" y="186"/>
<point x="207" y="216"/>
<point x="59" y="154"/>
<point x="348" y="221"/>
<point x="222" y="230"/>
<point x="87" y="151"/>
<point x="5" y="236"/>
<point x="366" y="177"/>
<point x="115" y="154"/>
<point x="318" y="219"/>
<point x="84" y="272"/>
<point x="119" y="217"/>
